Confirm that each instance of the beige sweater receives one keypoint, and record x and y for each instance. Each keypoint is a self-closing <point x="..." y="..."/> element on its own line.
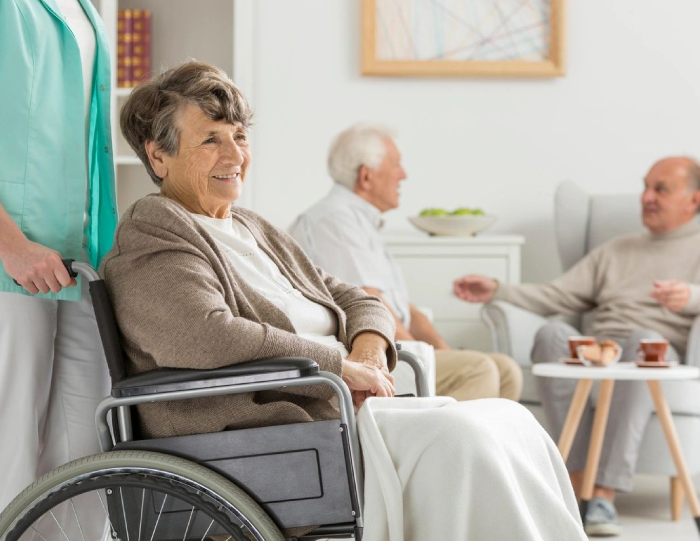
<point x="179" y="303"/>
<point x="616" y="280"/>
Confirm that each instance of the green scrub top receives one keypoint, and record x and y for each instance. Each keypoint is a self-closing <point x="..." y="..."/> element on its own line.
<point x="46" y="184"/>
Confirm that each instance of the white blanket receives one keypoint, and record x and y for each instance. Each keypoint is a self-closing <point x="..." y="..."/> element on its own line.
<point x="441" y="470"/>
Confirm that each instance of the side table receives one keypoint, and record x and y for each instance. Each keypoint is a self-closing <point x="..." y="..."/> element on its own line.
<point x="607" y="376"/>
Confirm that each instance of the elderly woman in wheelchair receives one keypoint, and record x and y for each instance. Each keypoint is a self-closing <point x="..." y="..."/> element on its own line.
<point x="233" y="347"/>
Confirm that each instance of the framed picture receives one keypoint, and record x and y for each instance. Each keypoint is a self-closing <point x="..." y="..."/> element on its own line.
<point x="483" y="38"/>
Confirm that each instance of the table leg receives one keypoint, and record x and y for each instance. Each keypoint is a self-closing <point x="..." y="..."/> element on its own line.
<point x="573" y="418"/>
<point x="676" y="499"/>
<point x="664" y="414"/>
<point x="600" y="421"/>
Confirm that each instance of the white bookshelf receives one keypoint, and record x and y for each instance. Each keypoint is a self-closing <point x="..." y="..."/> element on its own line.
<point x="203" y="29"/>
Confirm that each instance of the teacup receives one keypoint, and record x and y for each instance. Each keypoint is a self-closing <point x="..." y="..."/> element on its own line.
<point x="576" y="341"/>
<point x="653" y="350"/>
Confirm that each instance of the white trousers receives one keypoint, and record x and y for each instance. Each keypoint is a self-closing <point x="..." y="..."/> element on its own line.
<point x="52" y="376"/>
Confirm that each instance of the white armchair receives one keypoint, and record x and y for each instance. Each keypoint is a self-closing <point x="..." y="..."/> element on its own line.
<point x="583" y="222"/>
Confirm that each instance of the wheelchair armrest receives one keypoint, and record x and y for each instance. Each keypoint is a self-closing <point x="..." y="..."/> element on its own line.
<point x="513" y="329"/>
<point x="165" y="380"/>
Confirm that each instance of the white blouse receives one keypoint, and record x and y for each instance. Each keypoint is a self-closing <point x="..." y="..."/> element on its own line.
<point x="311" y="320"/>
<point x="84" y="33"/>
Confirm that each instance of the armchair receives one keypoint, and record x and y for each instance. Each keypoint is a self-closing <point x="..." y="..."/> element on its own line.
<point x="583" y="222"/>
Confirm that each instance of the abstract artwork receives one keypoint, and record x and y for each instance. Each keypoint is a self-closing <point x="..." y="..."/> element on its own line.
<point x="463" y="37"/>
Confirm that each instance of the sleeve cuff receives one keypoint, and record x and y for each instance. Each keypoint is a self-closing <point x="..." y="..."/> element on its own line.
<point x="693" y="305"/>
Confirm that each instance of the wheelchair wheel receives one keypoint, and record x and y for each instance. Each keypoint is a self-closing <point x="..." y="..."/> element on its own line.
<point x="135" y="496"/>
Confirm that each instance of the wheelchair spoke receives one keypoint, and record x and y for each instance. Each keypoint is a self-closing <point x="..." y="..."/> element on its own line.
<point x="80" y="527"/>
<point x="158" y="519"/>
<point x="50" y="516"/>
<point x="126" y="524"/>
<point x="143" y="498"/>
<point x="208" y="528"/>
<point x="59" y="525"/>
<point x="189" y="521"/>
<point x="37" y="532"/>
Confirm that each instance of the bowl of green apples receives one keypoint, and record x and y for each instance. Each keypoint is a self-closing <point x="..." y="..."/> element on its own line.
<point x="461" y="222"/>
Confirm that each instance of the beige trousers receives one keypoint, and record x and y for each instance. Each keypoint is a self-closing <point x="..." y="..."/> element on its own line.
<point x="468" y="375"/>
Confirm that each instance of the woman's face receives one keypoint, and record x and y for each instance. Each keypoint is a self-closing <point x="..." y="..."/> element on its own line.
<point x="207" y="173"/>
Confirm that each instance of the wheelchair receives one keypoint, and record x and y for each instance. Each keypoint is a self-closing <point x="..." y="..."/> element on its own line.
<point x="233" y="485"/>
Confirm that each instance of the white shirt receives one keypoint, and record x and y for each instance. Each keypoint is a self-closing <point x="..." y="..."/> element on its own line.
<point x="311" y="320"/>
<point x="84" y="33"/>
<point x="340" y="234"/>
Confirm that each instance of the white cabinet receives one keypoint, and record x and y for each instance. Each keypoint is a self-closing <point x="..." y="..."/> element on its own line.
<point x="430" y="265"/>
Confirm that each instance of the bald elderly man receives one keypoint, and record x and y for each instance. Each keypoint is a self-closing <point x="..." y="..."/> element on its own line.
<point x="645" y="285"/>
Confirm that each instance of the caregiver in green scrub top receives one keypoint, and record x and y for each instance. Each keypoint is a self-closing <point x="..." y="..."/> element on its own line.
<point x="57" y="201"/>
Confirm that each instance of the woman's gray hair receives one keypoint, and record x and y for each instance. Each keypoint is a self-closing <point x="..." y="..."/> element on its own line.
<point x="150" y="113"/>
<point x="360" y="144"/>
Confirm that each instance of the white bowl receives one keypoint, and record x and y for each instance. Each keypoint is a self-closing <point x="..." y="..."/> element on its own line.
<point x="458" y="226"/>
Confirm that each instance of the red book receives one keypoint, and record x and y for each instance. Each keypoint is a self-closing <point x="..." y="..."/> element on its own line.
<point x="141" y="52"/>
<point x="125" y="31"/>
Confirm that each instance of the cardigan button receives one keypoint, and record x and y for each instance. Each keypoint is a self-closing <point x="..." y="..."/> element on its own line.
<point x="106" y="149"/>
<point x="102" y="87"/>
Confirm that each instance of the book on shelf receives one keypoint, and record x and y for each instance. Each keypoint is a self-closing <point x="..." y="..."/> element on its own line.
<point x="133" y="47"/>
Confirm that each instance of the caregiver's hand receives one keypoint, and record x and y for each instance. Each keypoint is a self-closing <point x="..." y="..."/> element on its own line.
<point x="36" y="267"/>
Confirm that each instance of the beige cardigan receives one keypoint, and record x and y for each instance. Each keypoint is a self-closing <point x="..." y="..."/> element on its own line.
<point x="179" y="303"/>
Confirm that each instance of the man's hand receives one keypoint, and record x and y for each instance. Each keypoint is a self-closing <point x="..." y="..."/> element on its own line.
<point x="37" y="268"/>
<point x="473" y="288"/>
<point x="671" y="294"/>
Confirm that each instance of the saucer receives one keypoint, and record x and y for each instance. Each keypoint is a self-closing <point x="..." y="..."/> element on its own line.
<point x="571" y="360"/>
<point x="656" y="364"/>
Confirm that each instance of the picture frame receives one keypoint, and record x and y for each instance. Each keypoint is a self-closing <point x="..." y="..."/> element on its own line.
<point x="469" y="38"/>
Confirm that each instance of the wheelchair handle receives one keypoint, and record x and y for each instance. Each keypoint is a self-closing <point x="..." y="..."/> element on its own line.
<point x="68" y="264"/>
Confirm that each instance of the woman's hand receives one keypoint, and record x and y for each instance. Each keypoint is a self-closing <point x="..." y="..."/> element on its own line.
<point x="365" y="370"/>
<point x="366" y="380"/>
<point x="37" y="268"/>
<point x="369" y="348"/>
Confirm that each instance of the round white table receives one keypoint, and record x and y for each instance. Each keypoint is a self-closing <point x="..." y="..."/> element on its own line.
<point x="607" y="376"/>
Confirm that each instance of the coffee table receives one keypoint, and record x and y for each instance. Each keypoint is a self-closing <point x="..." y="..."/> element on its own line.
<point x="607" y="376"/>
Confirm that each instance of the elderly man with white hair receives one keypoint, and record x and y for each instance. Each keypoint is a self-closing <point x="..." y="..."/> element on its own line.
<point x="340" y="234"/>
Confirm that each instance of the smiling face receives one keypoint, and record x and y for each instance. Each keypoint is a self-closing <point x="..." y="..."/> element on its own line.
<point x="669" y="201"/>
<point x="207" y="172"/>
<point x="380" y="186"/>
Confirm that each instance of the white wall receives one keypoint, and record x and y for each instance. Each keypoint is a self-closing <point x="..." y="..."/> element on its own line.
<point x="631" y="94"/>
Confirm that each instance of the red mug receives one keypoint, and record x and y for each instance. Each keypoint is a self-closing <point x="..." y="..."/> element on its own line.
<point x="576" y="341"/>
<point x="652" y="350"/>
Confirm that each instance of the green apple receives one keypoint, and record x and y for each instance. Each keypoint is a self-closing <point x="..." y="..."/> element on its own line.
<point x="462" y="211"/>
<point x="433" y="212"/>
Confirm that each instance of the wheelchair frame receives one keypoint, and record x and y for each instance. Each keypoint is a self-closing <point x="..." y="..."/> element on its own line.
<point x="178" y="384"/>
